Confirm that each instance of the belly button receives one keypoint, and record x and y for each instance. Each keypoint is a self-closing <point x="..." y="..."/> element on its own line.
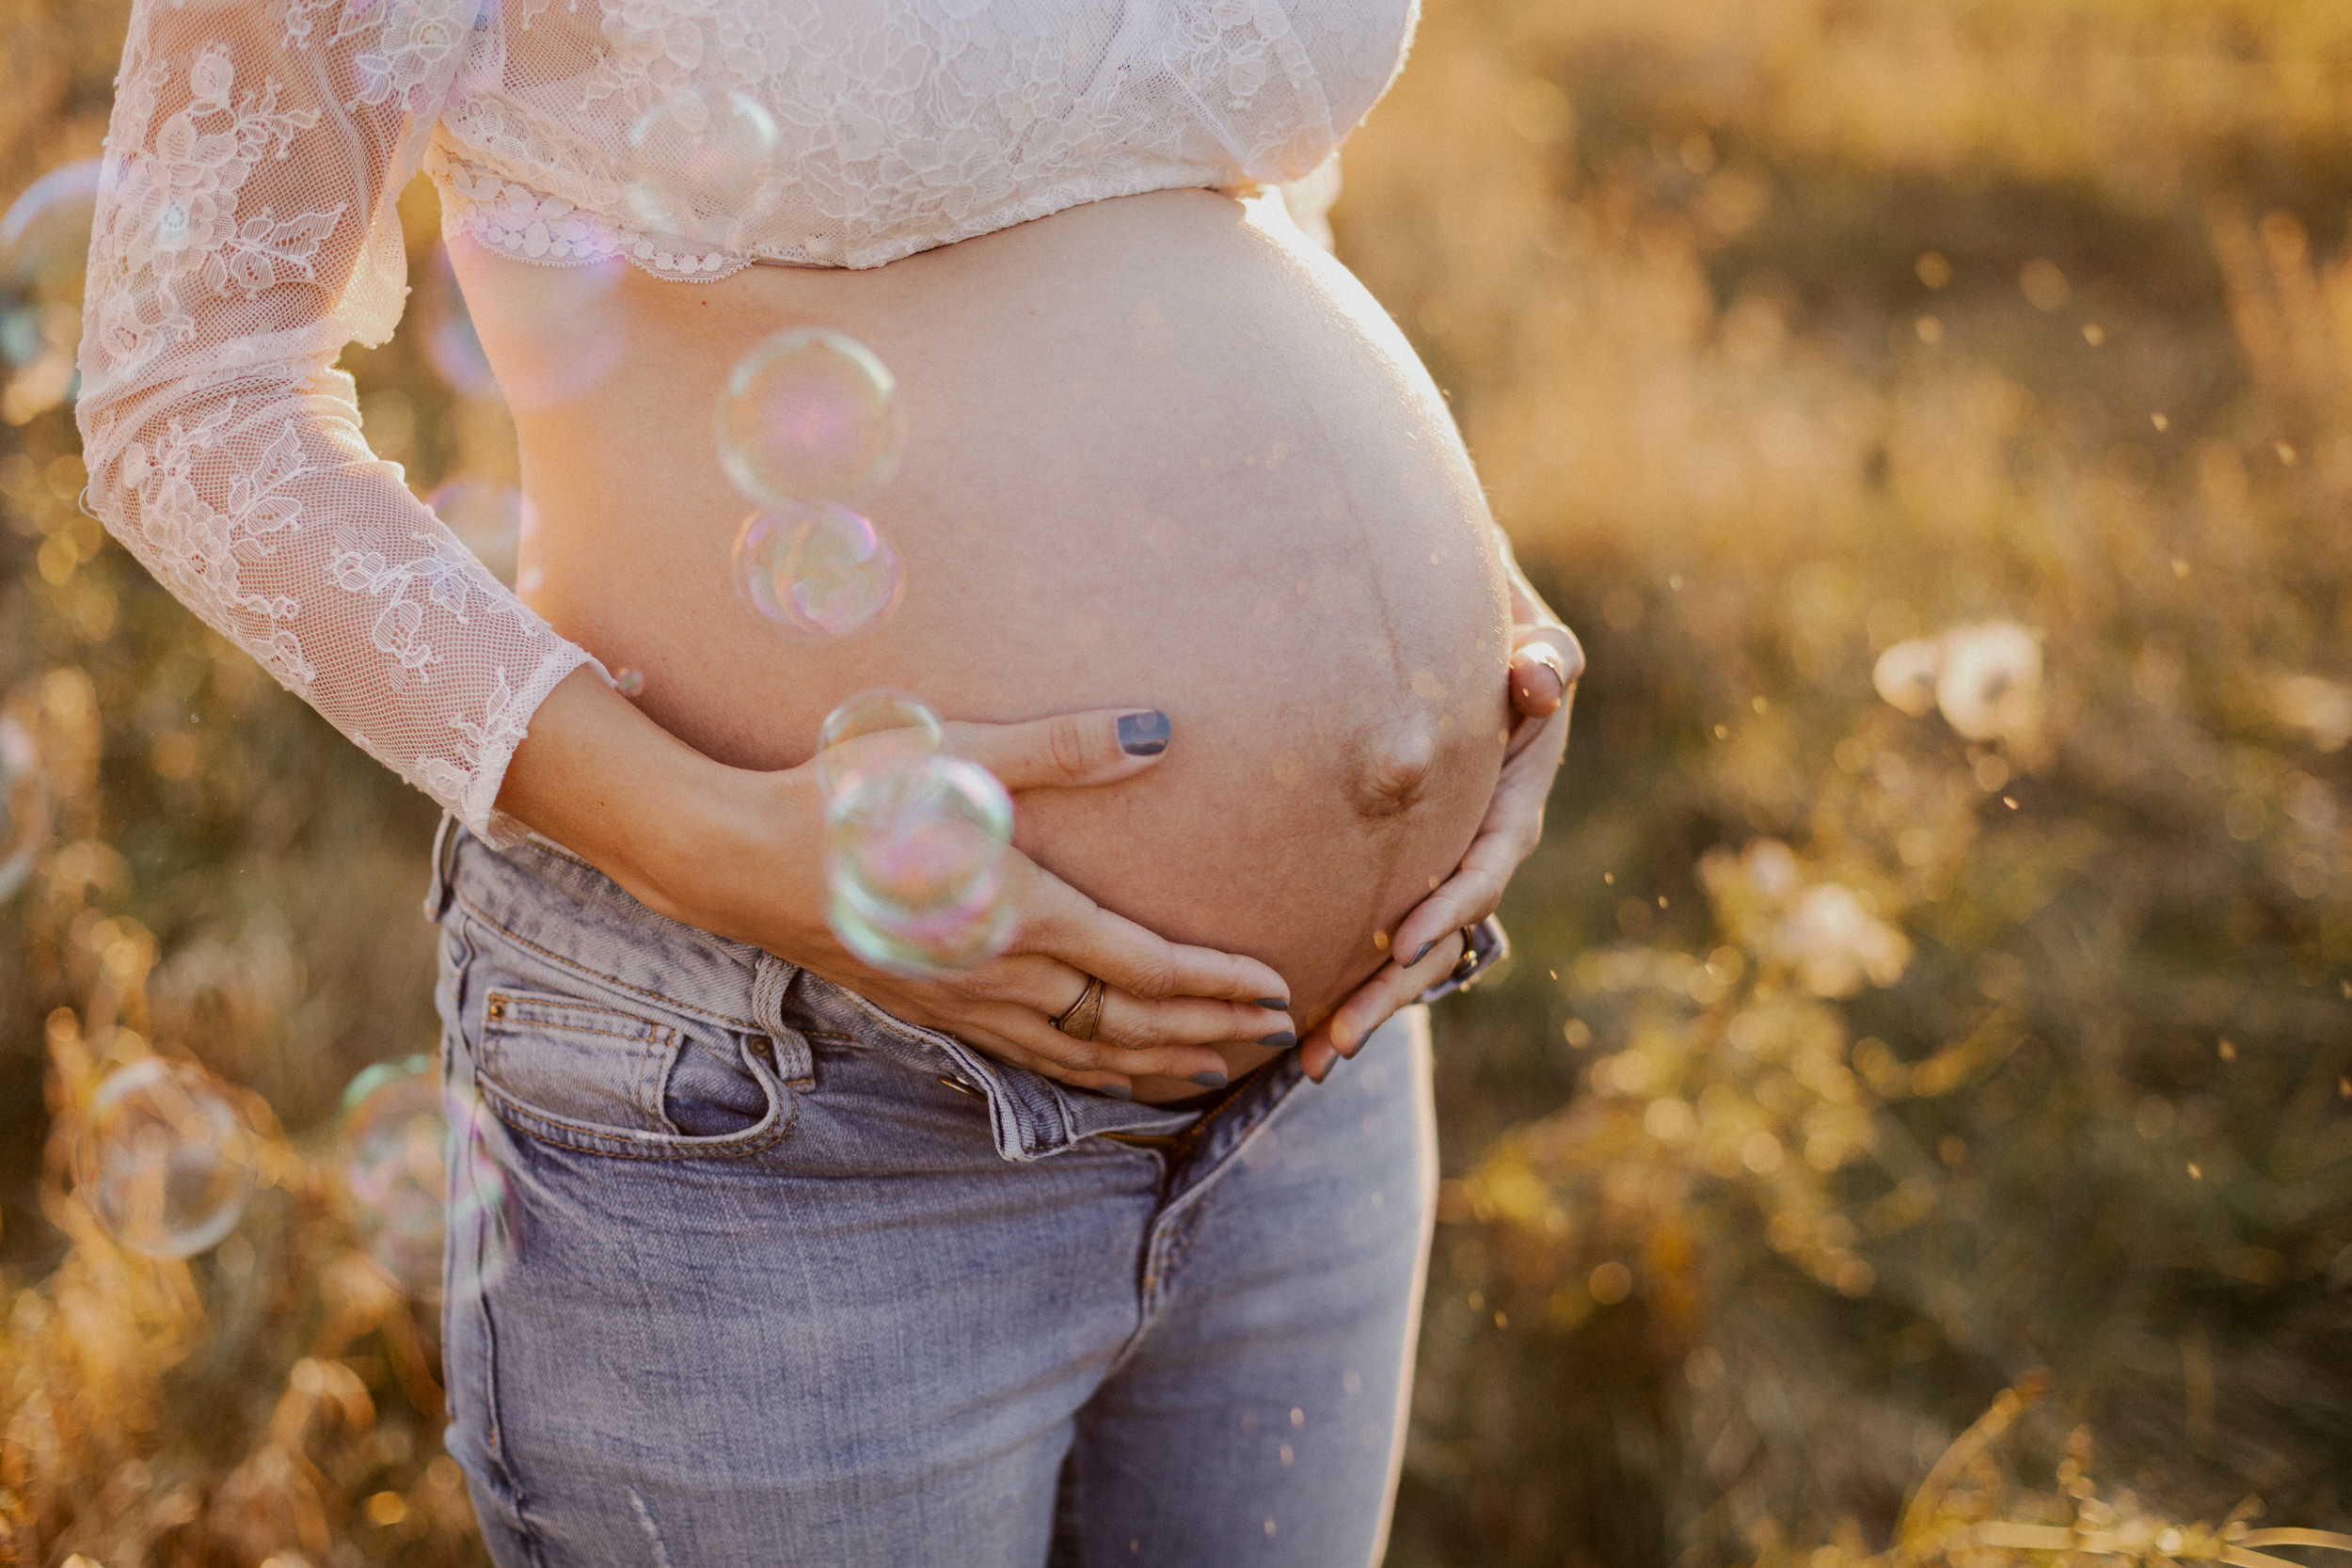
<point x="1396" y="767"/>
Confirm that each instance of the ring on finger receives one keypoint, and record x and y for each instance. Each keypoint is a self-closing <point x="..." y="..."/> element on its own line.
<point x="1468" y="963"/>
<point x="1084" y="1015"/>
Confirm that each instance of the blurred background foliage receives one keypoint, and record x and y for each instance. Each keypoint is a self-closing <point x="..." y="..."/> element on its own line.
<point x="1933" y="416"/>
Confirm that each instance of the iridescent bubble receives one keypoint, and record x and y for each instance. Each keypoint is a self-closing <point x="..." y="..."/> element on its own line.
<point x="697" y="163"/>
<point x="24" y="805"/>
<point x="44" y="252"/>
<point x="450" y="341"/>
<point x="815" y="570"/>
<point x="491" y="518"/>
<point x="870" y="730"/>
<point x="915" y="854"/>
<point x="396" y="1168"/>
<point x="44" y="235"/>
<point x="810" y="416"/>
<point x="630" y="683"/>
<point x="166" y="1159"/>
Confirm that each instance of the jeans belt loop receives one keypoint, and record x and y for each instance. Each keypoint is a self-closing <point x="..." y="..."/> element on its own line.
<point x="437" y="895"/>
<point x="770" y="979"/>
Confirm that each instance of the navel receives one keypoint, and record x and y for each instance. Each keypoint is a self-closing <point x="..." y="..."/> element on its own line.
<point x="1395" y="766"/>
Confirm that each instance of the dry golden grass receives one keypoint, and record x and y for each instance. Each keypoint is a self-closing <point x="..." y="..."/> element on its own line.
<point x="1901" y="1006"/>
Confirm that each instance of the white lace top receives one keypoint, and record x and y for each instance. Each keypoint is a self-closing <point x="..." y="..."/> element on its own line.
<point x="245" y="234"/>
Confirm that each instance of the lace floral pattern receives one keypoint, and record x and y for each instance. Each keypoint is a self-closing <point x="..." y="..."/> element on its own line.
<point x="244" y="236"/>
<point x="247" y="235"/>
<point x="892" y="126"/>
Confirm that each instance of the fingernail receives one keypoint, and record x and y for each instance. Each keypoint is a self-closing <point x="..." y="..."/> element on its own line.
<point x="1116" y="1091"/>
<point x="1143" y="734"/>
<point x="1425" y="951"/>
<point x="1276" y="1003"/>
<point x="1279" y="1037"/>
<point x="1209" y="1080"/>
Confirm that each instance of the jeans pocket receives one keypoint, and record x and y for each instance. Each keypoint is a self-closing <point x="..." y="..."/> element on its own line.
<point x="606" y="1078"/>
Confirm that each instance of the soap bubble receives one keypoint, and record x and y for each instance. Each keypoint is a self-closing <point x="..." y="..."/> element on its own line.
<point x="809" y="416"/>
<point x="450" y="341"/>
<point x="913" y="863"/>
<point x="24" y="805"/>
<point x="166" y="1159"/>
<point x="697" y="163"/>
<point x="490" y="518"/>
<point x="815" y="570"/>
<point x="396" y="1164"/>
<point x="630" y="683"/>
<point x="44" y="252"/>
<point x="44" y="235"/>
<point x="561" y="334"/>
<point x="870" y="730"/>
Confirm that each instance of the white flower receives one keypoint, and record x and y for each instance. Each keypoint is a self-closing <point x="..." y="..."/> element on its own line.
<point x="1990" y="683"/>
<point x="1986" y="678"/>
<point x="2321" y="708"/>
<point x="1835" y="943"/>
<point x="1905" y="673"/>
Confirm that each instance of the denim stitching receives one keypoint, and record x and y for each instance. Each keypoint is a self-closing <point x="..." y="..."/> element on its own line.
<point x="652" y="1040"/>
<point x="547" y="1129"/>
<point x="615" y="982"/>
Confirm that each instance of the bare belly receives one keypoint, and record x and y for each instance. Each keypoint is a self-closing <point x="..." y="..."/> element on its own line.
<point x="1161" y="452"/>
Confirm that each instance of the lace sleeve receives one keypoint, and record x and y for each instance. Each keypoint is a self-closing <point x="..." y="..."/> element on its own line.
<point x="245" y="234"/>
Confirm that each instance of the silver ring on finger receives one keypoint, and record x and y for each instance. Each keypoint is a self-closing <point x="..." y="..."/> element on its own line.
<point x="1085" y="1015"/>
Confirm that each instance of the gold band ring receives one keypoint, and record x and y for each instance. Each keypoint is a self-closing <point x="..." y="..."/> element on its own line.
<point x="1086" y="1014"/>
<point x="1466" y="965"/>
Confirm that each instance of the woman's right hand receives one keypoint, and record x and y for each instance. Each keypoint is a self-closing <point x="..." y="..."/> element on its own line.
<point x="742" y="853"/>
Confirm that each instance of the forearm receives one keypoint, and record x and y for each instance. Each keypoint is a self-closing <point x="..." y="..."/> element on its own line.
<point x="598" y="777"/>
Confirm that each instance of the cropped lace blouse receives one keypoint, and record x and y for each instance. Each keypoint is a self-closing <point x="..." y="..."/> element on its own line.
<point x="245" y="235"/>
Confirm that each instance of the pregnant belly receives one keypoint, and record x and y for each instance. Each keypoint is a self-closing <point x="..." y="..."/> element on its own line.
<point x="1161" y="452"/>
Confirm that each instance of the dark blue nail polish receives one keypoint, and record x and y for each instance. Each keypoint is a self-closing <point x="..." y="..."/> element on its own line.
<point x="1209" y="1080"/>
<point x="1425" y="951"/>
<point x="1276" y="1003"/>
<point x="1281" y="1037"/>
<point x="1143" y="734"/>
<point x="1116" y="1091"/>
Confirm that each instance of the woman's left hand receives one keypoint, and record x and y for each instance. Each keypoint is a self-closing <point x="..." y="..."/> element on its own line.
<point x="1546" y="663"/>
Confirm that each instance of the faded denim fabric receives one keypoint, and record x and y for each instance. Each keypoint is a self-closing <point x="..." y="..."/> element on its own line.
<point x="788" y="1281"/>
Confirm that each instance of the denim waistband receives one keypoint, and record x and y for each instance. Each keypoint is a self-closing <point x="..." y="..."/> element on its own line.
<point x="543" y="895"/>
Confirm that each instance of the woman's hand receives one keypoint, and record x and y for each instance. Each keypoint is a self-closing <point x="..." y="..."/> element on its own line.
<point x="1546" y="663"/>
<point x="742" y="853"/>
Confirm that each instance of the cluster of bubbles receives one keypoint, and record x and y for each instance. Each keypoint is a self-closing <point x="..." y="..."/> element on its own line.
<point x="24" y="805"/>
<point x="166" y="1158"/>
<point x="44" y="247"/>
<point x="397" y="1126"/>
<point x="915" y="840"/>
<point x="808" y="427"/>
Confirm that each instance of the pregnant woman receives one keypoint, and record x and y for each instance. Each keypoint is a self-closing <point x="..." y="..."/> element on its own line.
<point x="759" y="1253"/>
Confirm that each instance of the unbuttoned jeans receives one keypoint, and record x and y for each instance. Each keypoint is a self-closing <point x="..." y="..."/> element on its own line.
<point x="776" y="1278"/>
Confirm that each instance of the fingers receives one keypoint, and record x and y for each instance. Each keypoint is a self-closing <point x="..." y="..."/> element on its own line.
<point x="1372" y="1004"/>
<point x="1142" y="1027"/>
<point x="1539" y="678"/>
<point x="1069" y="751"/>
<point x="1107" y="1060"/>
<point x="1063" y="923"/>
<point x="1467" y="897"/>
<point x="1547" y="661"/>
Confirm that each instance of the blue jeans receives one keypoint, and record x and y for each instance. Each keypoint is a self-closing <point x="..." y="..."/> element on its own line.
<point x="788" y="1280"/>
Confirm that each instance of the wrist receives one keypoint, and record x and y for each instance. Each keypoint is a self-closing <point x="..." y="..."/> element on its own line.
<point x="675" y="828"/>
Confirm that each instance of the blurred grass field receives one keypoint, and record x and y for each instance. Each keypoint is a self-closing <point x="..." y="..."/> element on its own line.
<point x="1936" y="982"/>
